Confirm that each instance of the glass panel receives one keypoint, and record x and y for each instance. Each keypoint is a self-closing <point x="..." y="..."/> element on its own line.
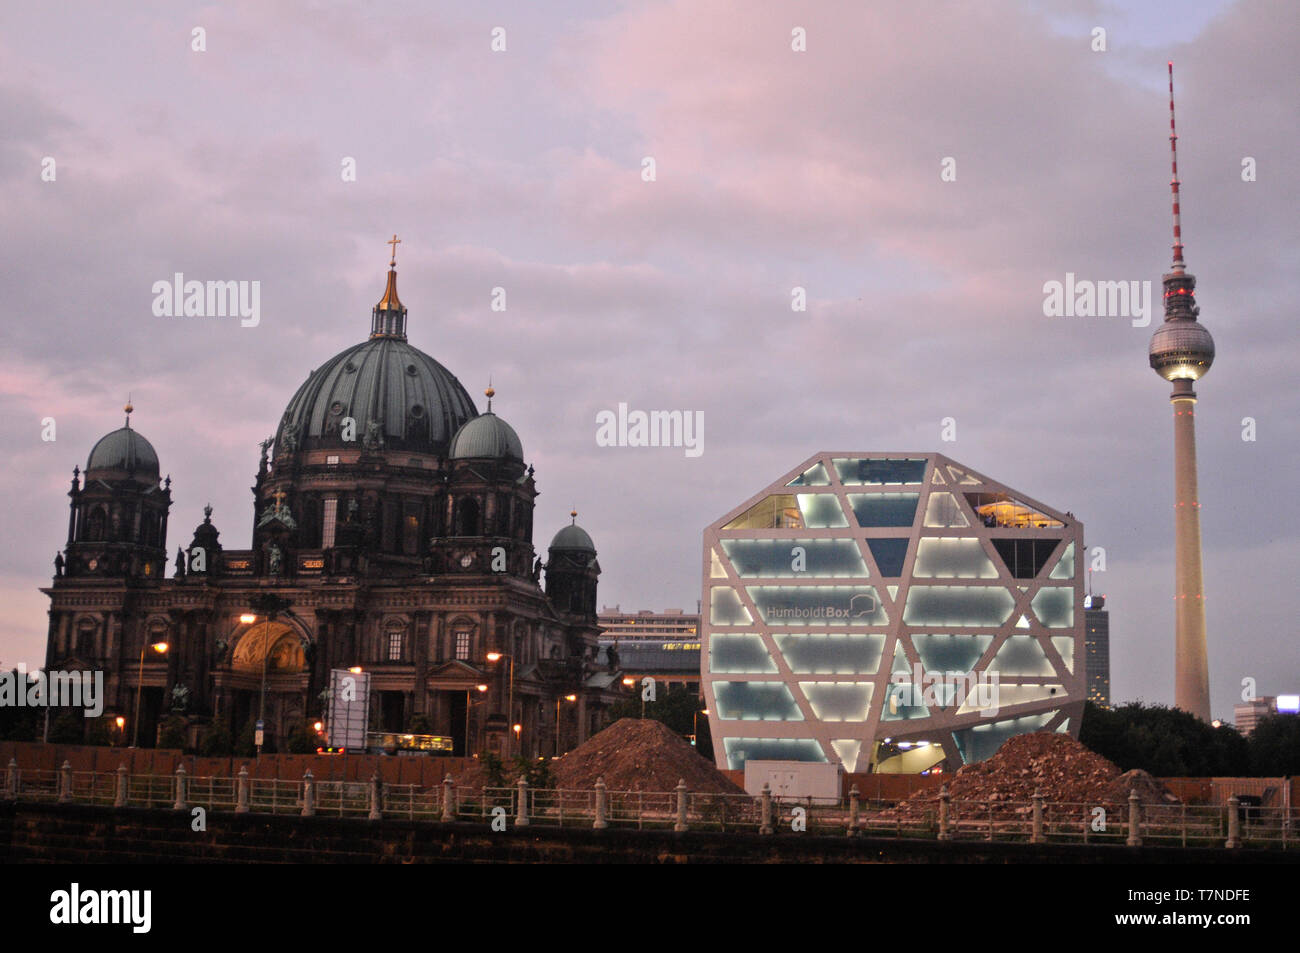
<point x="960" y="476"/>
<point x="740" y="750"/>
<point x="998" y="509"/>
<point x="982" y="741"/>
<point x="838" y="701"/>
<point x="836" y="654"/>
<point x="1065" y="568"/>
<point x="937" y="477"/>
<point x="329" y="522"/>
<point x="715" y="566"/>
<point x="1025" y="558"/>
<point x="942" y="511"/>
<point x="958" y="605"/>
<point x="773" y="512"/>
<point x="821" y="511"/>
<point x="815" y="475"/>
<point x="739" y="654"/>
<point x="1064" y="726"/>
<point x="847" y="749"/>
<point x="952" y="558"/>
<point x="818" y="605"/>
<point x="884" y="509"/>
<point x="755" y="701"/>
<point x="889" y="554"/>
<point x="854" y="472"/>
<point x="1054" y="607"/>
<point x="776" y="557"/>
<point x="1021" y="655"/>
<point x="950" y="653"/>
<point x="725" y="607"/>
<point x="899" y="698"/>
<point x="1064" y="644"/>
<point x="1005" y="696"/>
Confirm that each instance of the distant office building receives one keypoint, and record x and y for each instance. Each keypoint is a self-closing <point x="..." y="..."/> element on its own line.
<point x="664" y="645"/>
<point x="1248" y="714"/>
<point x="889" y="612"/>
<point x="1096" y="640"/>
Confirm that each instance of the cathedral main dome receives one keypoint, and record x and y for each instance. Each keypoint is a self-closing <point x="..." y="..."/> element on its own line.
<point x="397" y="397"/>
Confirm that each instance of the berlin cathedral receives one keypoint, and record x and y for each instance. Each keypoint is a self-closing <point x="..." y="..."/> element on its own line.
<point x="392" y="532"/>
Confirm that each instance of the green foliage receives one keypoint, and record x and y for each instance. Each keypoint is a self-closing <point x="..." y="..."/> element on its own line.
<point x="302" y="740"/>
<point x="216" y="741"/>
<point x="1165" y="742"/>
<point x="536" y="772"/>
<point x="67" y="727"/>
<point x="171" y="734"/>
<point x="676" y="708"/>
<point x="1275" y="746"/>
<point x="495" y="770"/>
<point x="102" y="731"/>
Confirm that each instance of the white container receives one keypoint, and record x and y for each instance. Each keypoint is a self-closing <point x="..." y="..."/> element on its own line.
<point x="795" y="779"/>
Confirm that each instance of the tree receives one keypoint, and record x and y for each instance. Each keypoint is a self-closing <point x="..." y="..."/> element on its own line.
<point x="1163" y="741"/>
<point x="1275" y="746"/>
<point x="216" y="741"/>
<point x="679" y="708"/>
<point x="171" y="734"/>
<point x="67" y="728"/>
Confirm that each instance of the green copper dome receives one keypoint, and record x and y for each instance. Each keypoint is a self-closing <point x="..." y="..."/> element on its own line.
<point x="487" y="436"/>
<point x="126" y="450"/>
<point x="573" y="537"/>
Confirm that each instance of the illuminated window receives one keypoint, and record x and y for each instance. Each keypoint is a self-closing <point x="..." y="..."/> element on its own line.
<point x="395" y="638"/>
<point x="462" y="643"/>
<point x="884" y="509"/>
<point x="331" y="512"/>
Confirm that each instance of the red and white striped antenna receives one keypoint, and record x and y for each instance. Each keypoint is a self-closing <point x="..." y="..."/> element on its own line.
<point x="1173" y="155"/>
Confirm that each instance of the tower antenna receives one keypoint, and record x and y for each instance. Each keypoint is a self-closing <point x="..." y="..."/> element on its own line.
<point x="1173" y="185"/>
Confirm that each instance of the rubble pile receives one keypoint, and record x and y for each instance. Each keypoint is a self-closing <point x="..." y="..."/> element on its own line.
<point x="639" y="755"/>
<point x="1054" y="765"/>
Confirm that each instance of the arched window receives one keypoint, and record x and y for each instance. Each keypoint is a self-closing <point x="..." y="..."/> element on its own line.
<point x="467" y="521"/>
<point x="95" y="525"/>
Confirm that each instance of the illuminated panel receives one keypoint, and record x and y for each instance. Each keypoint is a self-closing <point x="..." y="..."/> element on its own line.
<point x="958" y="605"/>
<point x="725" y="607"/>
<point x="818" y="605"/>
<point x="740" y="750"/>
<point x="1021" y="655"/>
<point x="838" y="701"/>
<point x="739" y="654"/>
<point x="815" y="475"/>
<point x="950" y="653"/>
<point x="952" y="558"/>
<point x="755" y="701"/>
<point x="884" y="509"/>
<point x="942" y="511"/>
<point x="982" y="741"/>
<point x="1054" y="607"/>
<point x="1005" y="696"/>
<point x="866" y="472"/>
<point x="821" y="511"/>
<point x="778" y="557"/>
<point x="1064" y="644"/>
<point x="715" y="566"/>
<point x="1065" y="568"/>
<point x="847" y="750"/>
<point x="837" y="654"/>
<point x="899" y="702"/>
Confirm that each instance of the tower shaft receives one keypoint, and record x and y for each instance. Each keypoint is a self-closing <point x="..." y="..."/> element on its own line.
<point x="1191" y="667"/>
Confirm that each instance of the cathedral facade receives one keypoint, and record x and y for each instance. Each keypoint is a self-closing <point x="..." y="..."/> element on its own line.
<point x="392" y="533"/>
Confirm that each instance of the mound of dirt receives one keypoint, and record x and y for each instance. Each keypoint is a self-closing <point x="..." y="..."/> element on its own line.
<point x="1053" y="764"/>
<point x="639" y="755"/>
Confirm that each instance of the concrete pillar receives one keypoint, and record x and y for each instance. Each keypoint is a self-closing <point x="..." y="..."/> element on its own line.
<point x="945" y="805"/>
<point x="765" y="817"/>
<point x="308" y="794"/>
<point x="1134" y="819"/>
<point x="11" y="781"/>
<point x="1234" y="822"/>
<point x="1037" y="837"/>
<point x="65" y="783"/>
<point x="853" y="810"/>
<point x="376" y="798"/>
<point x="602" y="805"/>
<point x="1191" y="666"/>
<point x="179" y="803"/>
<point x="681" y="824"/>
<point x="241" y="787"/>
<point x="448" y="800"/>
<point x="521" y="808"/>
<point x="123" y="787"/>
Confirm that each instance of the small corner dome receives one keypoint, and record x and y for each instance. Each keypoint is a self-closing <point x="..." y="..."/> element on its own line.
<point x="124" y="450"/>
<point x="573" y="537"/>
<point x="487" y="436"/>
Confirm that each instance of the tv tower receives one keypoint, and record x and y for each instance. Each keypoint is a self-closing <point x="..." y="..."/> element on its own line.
<point x="1181" y="352"/>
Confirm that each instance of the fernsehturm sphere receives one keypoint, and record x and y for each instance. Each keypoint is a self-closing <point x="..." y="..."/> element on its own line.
<point x="1181" y="352"/>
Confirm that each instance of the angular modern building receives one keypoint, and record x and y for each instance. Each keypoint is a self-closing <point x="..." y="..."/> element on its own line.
<point x="890" y="612"/>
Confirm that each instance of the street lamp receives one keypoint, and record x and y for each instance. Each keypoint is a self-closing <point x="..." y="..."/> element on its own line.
<point x="510" y="703"/>
<point x="160" y="648"/>
<point x="468" y="706"/>
<point x="567" y="698"/>
<point x="270" y="605"/>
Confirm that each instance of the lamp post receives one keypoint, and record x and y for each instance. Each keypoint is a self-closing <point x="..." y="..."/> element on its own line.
<point x="160" y="648"/>
<point x="567" y="698"/>
<point x="695" y="724"/>
<point x="510" y="703"/>
<point x="269" y="605"/>
<point x="469" y="705"/>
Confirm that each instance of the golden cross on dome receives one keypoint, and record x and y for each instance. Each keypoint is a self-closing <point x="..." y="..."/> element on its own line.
<point x="394" y="241"/>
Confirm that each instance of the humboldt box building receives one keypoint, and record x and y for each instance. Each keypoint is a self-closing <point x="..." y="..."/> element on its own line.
<point x="393" y="525"/>
<point x="889" y="612"/>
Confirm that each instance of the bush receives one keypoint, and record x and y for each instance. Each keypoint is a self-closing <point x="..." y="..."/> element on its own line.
<point x="68" y="728"/>
<point x="172" y="733"/>
<point x="302" y="740"/>
<point x="216" y="741"/>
